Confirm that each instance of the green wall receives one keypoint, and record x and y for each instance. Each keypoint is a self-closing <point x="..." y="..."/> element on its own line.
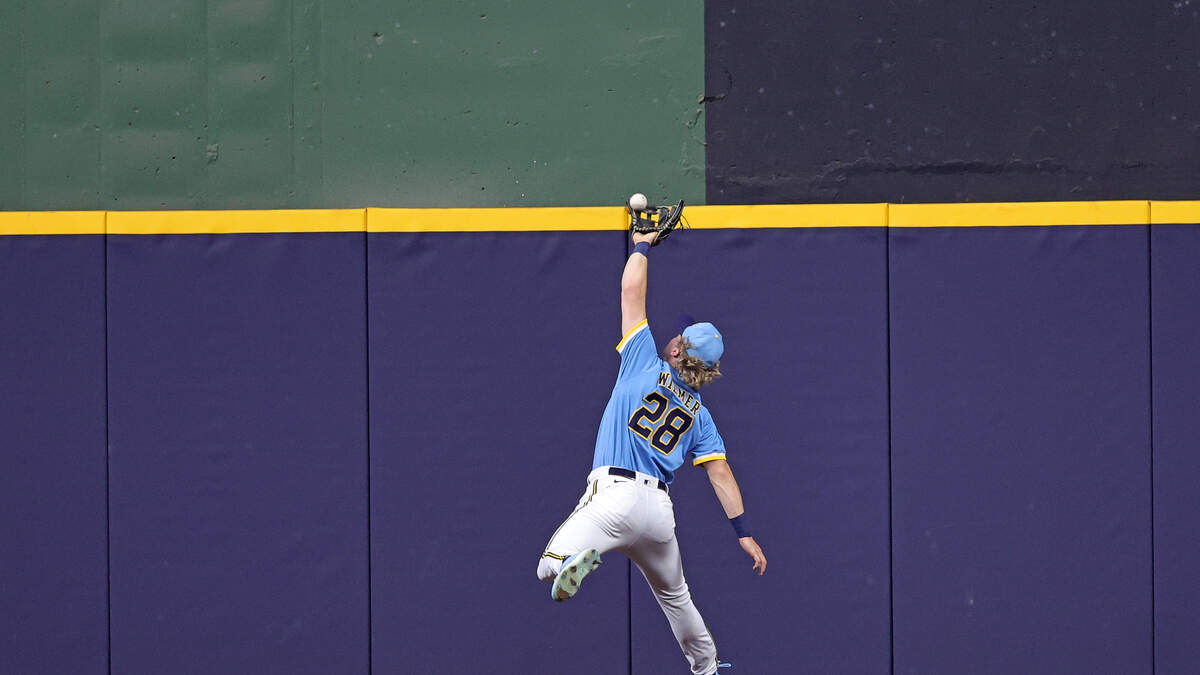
<point x="168" y="104"/>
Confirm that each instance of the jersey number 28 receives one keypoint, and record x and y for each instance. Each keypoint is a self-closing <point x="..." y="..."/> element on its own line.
<point x="649" y="423"/>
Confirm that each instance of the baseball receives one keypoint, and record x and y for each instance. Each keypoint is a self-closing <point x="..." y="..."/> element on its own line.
<point x="638" y="202"/>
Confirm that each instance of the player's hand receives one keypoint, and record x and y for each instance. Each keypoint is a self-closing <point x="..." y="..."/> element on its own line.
<point x="753" y="550"/>
<point x="648" y="237"/>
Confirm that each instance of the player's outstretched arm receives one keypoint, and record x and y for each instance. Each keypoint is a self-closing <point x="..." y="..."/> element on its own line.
<point x="730" y="496"/>
<point x="633" y="285"/>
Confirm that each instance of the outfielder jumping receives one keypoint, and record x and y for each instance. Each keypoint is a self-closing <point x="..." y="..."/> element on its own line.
<point x="653" y="422"/>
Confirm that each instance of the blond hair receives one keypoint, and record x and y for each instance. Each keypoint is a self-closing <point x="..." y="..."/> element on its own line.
<point x="692" y="370"/>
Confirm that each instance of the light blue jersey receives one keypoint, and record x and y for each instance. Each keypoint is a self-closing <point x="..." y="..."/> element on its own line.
<point x="653" y="422"/>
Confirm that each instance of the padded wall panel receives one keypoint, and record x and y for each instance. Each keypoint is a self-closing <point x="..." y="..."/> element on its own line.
<point x="53" y="550"/>
<point x="238" y="443"/>
<point x="1021" y="466"/>
<point x="1176" y="309"/>
<point x="803" y="411"/>
<point x="491" y="362"/>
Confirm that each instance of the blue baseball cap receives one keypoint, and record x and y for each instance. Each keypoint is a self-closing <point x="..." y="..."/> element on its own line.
<point x="706" y="340"/>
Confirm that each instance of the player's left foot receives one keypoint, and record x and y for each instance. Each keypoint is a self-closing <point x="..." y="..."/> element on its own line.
<point x="721" y="665"/>
<point x="578" y="566"/>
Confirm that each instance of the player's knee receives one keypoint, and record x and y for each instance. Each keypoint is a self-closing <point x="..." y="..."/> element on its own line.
<point x="674" y="597"/>
<point x="548" y="568"/>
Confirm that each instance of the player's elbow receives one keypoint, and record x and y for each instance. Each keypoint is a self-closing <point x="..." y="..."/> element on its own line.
<point x="717" y="469"/>
<point x="632" y="292"/>
<point x="633" y="303"/>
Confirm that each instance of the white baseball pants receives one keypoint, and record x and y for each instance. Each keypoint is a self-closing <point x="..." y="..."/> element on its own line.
<point x="634" y="517"/>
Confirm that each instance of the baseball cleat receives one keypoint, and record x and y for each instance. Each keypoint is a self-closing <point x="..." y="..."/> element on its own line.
<point x="578" y="566"/>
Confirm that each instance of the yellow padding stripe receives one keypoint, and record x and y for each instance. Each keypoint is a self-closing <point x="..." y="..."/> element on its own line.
<point x="233" y="222"/>
<point x="1019" y="213"/>
<point x="1174" y="213"/>
<point x="708" y="458"/>
<point x="607" y="218"/>
<point x="786" y="215"/>
<point x="632" y="331"/>
<point x="599" y="218"/>
<point x="563" y="219"/>
<point x="52" y="222"/>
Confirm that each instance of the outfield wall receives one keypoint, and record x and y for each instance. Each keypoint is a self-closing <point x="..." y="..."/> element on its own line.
<point x="337" y="441"/>
<point x="279" y="441"/>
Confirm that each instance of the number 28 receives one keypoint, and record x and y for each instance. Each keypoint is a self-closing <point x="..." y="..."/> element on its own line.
<point x="649" y="423"/>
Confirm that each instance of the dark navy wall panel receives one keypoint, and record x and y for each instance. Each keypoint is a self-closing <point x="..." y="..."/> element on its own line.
<point x="815" y="101"/>
<point x="53" y="553"/>
<point x="803" y="411"/>
<point x="491" y="361"/>
<point x="238" y="453"/>
<point x="1175" y="250"/>
<point x="1020" y="430"/>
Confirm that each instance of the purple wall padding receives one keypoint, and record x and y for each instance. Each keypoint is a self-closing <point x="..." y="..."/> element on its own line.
<point x="1176" y="311"/>
<point x="1021" y="464"/>
<point x="803" y="411"/>
<point x="327" y="459"/>
<point x="53" y="598"/>
<point x="238" y="453"/>
<point x="491" y="361"/>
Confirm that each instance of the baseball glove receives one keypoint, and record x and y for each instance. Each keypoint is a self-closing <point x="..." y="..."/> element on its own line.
<point x="660" y="219"/>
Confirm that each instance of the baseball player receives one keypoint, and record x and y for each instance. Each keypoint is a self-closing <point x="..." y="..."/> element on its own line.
<point x="654" y="421"/>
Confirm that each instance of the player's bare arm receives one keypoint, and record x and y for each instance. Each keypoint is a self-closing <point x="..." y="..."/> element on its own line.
<point x="633" y="285"/>
<point x="726" y="487"/>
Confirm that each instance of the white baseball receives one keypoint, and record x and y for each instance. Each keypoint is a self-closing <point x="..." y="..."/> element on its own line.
<point x="638" y="202"/>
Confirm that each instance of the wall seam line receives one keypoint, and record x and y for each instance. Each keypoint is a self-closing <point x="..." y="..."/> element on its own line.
<point x="367" y="364"/>
<point x="107" y="467"/>
<point x="100" y="177"/>
<point x="629" y="611"/>
<point x="887" y="266"/>
<point x="1150" y="356"/>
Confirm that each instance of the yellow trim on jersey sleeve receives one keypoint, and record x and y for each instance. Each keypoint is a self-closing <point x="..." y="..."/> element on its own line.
<point x="641" y="324"/>
<point x="706" y="458"/>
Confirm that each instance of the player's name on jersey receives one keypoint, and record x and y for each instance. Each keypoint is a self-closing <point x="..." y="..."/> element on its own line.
<point x="689" y="402"/>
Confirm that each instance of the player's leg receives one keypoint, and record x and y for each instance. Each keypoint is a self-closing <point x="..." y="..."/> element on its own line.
<point x="658" y="559"/>
<point x="577" y="533"/>
<point x="599" y="524"/>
